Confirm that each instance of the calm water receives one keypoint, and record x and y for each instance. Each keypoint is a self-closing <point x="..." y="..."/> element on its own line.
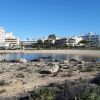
<point x="53" y="56"/>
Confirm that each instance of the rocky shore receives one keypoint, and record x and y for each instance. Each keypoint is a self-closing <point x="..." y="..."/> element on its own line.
<point x="17" y="78"/>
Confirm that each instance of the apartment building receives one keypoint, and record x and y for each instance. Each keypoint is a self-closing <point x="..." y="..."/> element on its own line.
<point x="27" y="42"/>
<point x="93" y="39"/>
<point x="61" y="41"/>
<point x="11" y="40"/>
<point x="73" y="41"/>
<point x="2" y="35"/>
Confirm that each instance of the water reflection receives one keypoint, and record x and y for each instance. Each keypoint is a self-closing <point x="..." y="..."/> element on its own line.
<point x="53" y="56"/>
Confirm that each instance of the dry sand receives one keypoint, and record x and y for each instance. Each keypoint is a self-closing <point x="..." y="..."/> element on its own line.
<point x="95" y="53"/>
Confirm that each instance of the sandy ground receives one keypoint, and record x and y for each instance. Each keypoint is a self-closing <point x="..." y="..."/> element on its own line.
<point x="95" y="53"/>
<point x="32" y="78"/>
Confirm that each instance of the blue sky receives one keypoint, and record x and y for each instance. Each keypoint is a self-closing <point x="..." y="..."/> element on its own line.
<point x="39" y="18"/>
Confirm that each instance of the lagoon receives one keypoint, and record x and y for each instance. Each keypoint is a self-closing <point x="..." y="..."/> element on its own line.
<point x="53" y="56"/>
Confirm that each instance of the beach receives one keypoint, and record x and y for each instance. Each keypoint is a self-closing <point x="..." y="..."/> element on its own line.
<point x="95" y="53"/>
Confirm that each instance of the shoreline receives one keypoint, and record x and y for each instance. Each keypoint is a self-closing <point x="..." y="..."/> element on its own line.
<point x="95" y="53"/>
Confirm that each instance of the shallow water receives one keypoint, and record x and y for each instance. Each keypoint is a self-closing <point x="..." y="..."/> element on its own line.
<point x="33" y="56"/>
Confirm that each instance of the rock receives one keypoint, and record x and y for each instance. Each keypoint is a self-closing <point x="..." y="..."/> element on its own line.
<point x="74" y="60"/>
<point x="50" y="69"/>
<point x="65" y="61"/>
<point x="81" y="62"/>
<point x="64" y="66"/>
<point x="23" y="60"/>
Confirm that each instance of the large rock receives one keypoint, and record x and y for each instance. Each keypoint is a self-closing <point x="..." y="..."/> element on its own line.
<point x="23" y="60"/>
<point x="64" y="66"/>
<point x="50" y="69"/>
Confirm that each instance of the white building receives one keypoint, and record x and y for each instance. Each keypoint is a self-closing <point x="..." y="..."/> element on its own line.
<point x="93" y="39"/>
<point x="10" y="39"/>
<point x="73" y="41"/>
<point x="2" y="35"/>
<point x="28" y="42"/>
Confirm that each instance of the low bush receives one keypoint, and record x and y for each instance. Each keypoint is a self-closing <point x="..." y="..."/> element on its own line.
<point x="88" y="69"/>
<point x="44" y="94"/>
<point x="82" y="91"/>
<point x="96" y="80"/>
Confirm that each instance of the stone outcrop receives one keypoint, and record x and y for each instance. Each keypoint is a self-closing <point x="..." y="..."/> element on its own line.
<point x="50" y="69"/>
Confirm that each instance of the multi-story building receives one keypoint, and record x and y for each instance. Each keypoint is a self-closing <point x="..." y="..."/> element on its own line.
<point x="11" y="40"/>
<point x="93" y="39"/>
<point x="28" y="42"/>
<point x="46" y="40"/>
<point x="98" y="42"/>
<point x="74" y="41"/>
<point x="61" y="41"/>
<point x="2" y="35"/>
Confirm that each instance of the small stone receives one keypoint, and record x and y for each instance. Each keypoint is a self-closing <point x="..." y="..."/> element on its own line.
<point x="23" y="60"/>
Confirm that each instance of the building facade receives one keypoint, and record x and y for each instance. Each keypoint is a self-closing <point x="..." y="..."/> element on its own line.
<point x="2" y="35"/>
<point x="74" y="41"/>
<point x="27" y="42"/>
<point x="61" y="41"/>
<point x="11" y="40"/>
<point x="93" y="39"/>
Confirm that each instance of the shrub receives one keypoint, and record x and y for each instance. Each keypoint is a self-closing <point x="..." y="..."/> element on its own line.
<point x="83" y="91"/>
<point x="88" y="69"/>
<point x="44" y="94"/>
<point x="96" y="80"/>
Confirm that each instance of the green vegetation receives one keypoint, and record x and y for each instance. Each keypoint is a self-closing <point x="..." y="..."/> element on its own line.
<point x="44" y="94"/>
<point x="70" y="90"/>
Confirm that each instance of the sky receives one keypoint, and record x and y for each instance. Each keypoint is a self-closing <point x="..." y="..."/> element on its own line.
<point x="38" y="18"/>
